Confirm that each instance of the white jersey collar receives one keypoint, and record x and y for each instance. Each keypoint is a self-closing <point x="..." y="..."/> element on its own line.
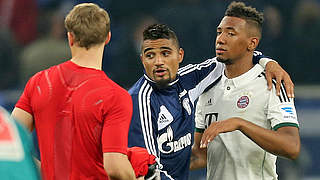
<point x="243" y="78"/>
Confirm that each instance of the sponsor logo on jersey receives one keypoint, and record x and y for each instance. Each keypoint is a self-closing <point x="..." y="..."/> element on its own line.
<point x="243" y="102"/>
<point x="186" y="105"/>
<point x="288" y="111"/>
<point x="167" y="145"/>
<point x="164" y="117"/>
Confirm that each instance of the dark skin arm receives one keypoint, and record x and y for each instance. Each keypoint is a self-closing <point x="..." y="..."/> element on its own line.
<point x="275" y="71"/>
<point x="199" y="155"/>
<point x="283" y="142"/>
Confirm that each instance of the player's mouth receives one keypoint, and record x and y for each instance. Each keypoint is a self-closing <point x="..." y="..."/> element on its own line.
<point x="220" y="51"/>
<point x="160" y="72"/>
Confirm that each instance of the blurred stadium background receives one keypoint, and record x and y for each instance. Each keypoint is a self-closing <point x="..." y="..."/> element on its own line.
<point x="33" y="38"/>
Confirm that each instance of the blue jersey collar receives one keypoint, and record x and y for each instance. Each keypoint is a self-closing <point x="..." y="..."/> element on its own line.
<point x="154" y="83"/>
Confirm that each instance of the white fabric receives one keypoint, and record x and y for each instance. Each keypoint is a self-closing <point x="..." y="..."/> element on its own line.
<point x="233" y="156"/>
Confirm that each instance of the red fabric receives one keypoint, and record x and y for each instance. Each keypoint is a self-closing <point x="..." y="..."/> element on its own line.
<point x="79" y="114"/>
<point x="140" y="159"/>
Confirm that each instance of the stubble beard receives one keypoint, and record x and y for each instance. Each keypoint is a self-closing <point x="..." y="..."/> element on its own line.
<point x="225" y="61"/>
<point x="163" y="83"/>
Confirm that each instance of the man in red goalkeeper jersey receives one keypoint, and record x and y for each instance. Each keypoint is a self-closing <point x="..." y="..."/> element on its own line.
<point x="81" y="117"/>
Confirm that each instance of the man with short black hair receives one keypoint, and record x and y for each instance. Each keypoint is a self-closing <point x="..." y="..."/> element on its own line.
<point x="241" y="126"/>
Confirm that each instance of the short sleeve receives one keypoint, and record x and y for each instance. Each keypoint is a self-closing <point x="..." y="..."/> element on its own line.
<point x="24" y="101"/>
<point x="199" y="116"/>
<point x="281" y="110"/>
<point x="116" y="122"/>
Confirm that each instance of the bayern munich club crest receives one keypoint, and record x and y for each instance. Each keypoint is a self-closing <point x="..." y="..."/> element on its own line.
<point x="243" y="102"/>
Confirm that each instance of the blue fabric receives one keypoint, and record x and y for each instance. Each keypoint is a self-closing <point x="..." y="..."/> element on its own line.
<point x="171" y="143"/>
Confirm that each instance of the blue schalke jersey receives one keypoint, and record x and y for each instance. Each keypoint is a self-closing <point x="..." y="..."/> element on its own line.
<point x="163" y="119"/>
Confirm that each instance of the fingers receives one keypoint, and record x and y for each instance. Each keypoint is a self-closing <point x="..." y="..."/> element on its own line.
<point x="289" y="86"/>
<point x="278" y="85"/>
<point x="269" y="80"/>
<point x="208" y="135"/>
<point x="275" y="71"/>
<point x="211" y="132"/>
<point x="215" y="128"/>
<point x="206" y="140"/>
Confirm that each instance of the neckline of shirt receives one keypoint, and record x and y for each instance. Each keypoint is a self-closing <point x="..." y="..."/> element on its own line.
<point x="243" y="78"/>
<point x="72" y="64"/>
<point x="154" y="83"/>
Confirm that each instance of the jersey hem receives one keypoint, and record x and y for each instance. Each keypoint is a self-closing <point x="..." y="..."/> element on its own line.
<point x="276" y="127"/>
<point x="24" y="108"/>
<point x="199" y="130"/>
<point x="114" y="150"/>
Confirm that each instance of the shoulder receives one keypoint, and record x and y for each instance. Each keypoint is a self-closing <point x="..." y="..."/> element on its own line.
<point x="141" y="85"/>
<point x="109" y="87"/>
<point x="46" y="73"/>
<point x="35" y="79"/>
<point x="193" y="67"/>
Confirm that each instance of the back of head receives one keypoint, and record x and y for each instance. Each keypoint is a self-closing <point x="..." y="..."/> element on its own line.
<point x="160" y="31"/>
<point x="89" y="24"/>
<point x="248" y="13"/>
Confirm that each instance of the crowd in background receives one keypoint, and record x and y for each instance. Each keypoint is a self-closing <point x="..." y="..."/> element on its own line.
<point x="33" y="36"/>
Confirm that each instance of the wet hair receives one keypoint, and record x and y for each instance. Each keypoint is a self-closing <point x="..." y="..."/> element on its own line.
<point x="89" y="24"/>
<point x="160" y="31"/>
<point x="253" y="17"/>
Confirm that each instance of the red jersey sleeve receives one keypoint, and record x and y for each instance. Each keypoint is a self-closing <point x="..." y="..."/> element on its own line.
<point x="116" y="122"/>
<point x="24" y="101"/>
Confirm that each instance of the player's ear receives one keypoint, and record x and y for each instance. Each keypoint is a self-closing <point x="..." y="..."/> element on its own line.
<point x="141" y="53"/>
<point x="70" y="39"/>
<point x="108" y="38"/>
<point x="253" y="44"/>
<point x="181" y="55"/>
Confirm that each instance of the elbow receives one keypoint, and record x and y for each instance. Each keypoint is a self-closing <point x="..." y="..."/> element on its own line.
<point x="293" y="152"/>
<point x="116" y="173"/>
<point x="113" y="171"/>
<point x="113" y="174"/>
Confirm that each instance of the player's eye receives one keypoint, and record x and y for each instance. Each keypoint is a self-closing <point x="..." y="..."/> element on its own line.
<point x="149" y="55"/>
<point x="166" y="53"/>
<point x="231" y="34"/>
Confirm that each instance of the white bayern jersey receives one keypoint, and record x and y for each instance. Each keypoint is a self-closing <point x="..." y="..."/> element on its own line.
<point x="233" y="156"/>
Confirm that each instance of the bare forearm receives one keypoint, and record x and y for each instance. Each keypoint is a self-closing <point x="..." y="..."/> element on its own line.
<point x="283" y="142"/>
<point x="118" y="167"/>
<point x="198" y="156"/>
<point x="197" y="162"/>
<point x="123" y="173"/>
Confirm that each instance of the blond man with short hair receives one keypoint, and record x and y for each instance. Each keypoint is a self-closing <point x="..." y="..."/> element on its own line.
<point x="81" y="116"/>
